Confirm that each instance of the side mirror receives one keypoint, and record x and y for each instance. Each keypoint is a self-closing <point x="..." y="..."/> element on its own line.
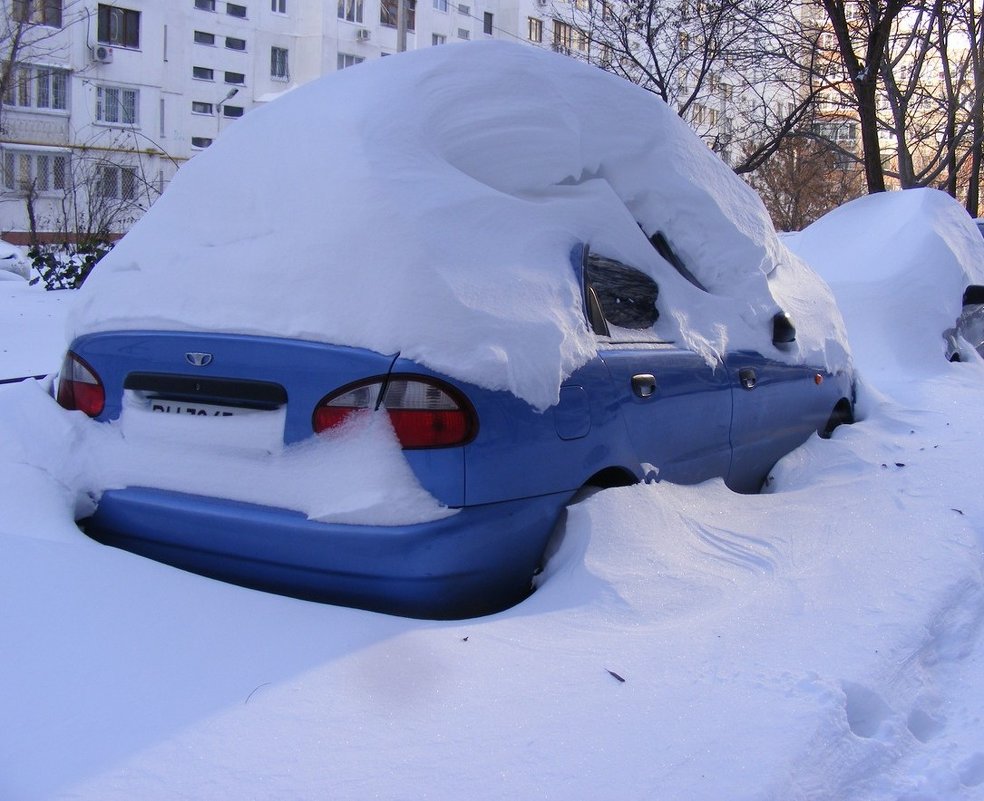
<point x="783" y="330"/>
<point x="973" y="295"/>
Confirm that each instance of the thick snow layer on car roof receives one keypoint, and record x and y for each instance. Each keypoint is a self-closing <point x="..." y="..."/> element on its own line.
<point x="903" y="301"/>
<point x="428" y="203"/>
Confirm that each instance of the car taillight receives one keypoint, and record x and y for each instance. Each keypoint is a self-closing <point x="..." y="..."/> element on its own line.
<point x="79" y="387"/>
<point x="425" y="412"/>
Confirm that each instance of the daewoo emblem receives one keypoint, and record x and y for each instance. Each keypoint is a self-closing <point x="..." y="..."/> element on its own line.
<point x="199" y="359"/>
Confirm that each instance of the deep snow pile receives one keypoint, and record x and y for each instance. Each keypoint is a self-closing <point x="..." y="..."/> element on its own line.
<point x="428" y="204"/>
<point x="902" y="298"/>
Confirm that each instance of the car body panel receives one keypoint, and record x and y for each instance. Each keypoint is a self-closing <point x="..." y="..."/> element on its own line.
<point x="471" y="563"/>
<point x="776" y="407"/>
<point x="682" y="427"/>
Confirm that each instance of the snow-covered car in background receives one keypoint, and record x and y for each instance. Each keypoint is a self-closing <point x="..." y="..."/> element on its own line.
<point x="492" y="276"/>
<point x="13" y="262"/>
<point x="929" y="302"/>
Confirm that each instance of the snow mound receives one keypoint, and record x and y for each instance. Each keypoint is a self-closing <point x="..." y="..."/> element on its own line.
<point x="428" y="203"/>
<point x="898" y="263"/>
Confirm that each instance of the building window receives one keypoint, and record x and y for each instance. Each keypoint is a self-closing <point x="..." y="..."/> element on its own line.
<point x="203" y="73"/>
<point x="236" y="78"/>
<point x="438" y="39"/>
<point x="350" y="10"/>
<point x="204" y="38"/>
<point x="464" y="33"/>
<point x="278" y="63"/>
<point x="41" y="12"/>
<point x="205" y="5"/>
<point x="233" y="43"/>
<point x="441" y="5"/>
<point x="346" y="60"/>
<point x="236" y="10"/>
<point x="463" y="9"/>
<point x="278" y="6"/>
<point x="198" y="107"/>
<point x="37" y="87"/>
<point x="28" y="172"/>
<point x="487" y="23"/>
<point x="117" y="182"/>
<point x="563" y="36"/>
<point x="233" y="111"/>
<point x="115" y="104"/>
<point x="535" y="28"/>
<point x="200" y="141"/>
<point x="118" y="26"/>
<point x="387" y="14"/>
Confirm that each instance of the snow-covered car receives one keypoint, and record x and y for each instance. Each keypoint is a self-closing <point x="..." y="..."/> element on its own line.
<point x="369" y="345"/>
<point x="13" y="262"/>
<point x="929" y="300"/>
<point x="968" y="333"/>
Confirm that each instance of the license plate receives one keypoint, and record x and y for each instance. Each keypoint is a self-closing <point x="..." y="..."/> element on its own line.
<point x="194" y="409"/>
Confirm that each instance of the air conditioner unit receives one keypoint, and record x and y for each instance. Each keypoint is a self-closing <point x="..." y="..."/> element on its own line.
<point x="102" y="54"/>
<point x="363" y="35"/>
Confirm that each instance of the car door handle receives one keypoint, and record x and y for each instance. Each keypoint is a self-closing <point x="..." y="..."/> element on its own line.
<point x="644" y="385"/>
<point x="747" y="377"/>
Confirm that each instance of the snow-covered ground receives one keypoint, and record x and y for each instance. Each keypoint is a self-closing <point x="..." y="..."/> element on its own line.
<point x="819" y="641"/>
<point x="822" y="640"/>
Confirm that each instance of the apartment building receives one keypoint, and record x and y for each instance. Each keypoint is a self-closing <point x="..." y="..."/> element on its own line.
<point x="103" y="102"/>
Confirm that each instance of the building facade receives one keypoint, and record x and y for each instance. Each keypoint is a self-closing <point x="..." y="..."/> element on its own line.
<point x="103" y="102"/>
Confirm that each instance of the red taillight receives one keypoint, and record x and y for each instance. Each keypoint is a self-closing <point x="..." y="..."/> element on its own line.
<point x="425" y="413"/>
<point x="79" y="387"/>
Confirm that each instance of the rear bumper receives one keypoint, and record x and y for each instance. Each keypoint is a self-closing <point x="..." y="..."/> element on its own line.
<point x="477" y="561"/>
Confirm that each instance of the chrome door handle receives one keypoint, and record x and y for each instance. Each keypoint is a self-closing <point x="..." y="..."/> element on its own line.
<point x="644" y="385"/>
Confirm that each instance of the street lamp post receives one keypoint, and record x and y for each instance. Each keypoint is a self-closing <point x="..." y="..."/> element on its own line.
<point x="218" y="109"/>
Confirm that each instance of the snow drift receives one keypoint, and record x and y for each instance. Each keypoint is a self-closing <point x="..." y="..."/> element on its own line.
<point x="904" y="297"/>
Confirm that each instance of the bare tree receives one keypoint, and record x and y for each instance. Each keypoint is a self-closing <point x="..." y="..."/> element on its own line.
<point x="803" y="181"/>
<point x="723" y="65"/>
<point x="862" y="30"/>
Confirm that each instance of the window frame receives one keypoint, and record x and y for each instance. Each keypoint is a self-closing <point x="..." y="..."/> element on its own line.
<point x="27" y="81"/>
<point x="351" y="11"/>
<point x="278" y="6"/>
<point x="12" y="160"/>
<point x="279" y="63"/>
<point x="534" y="30"/>
<point x="108" y="16"/>
<point x="121" y="188"/>
<point x="346" y="60"/>
<point x="204" y="38"/>
<point x="104" y="104"/>
<point x="233" y="42"/>
<point x="209" y="70"/>
<point x="236" y="14"/>
<point x="48" y="13"/>
<point x="388" y="10"/>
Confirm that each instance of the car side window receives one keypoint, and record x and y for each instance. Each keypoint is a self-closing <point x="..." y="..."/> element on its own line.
<point x="627" y="297"/>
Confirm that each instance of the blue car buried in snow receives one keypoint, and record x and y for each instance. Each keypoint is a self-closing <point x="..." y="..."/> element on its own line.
<point x="641" y="408"/>
<point x="531" y="271"/>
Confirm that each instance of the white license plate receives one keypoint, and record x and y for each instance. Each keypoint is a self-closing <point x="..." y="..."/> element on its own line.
<point x="194" y="409"/>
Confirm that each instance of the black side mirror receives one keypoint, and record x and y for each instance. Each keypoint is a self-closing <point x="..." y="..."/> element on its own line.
<point x="973" y="295"/>
<point x="783" y="330"/>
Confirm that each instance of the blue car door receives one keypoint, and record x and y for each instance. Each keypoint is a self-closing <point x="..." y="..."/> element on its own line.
<point x="676" y="408"/>
<point x="776" y="407"/>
